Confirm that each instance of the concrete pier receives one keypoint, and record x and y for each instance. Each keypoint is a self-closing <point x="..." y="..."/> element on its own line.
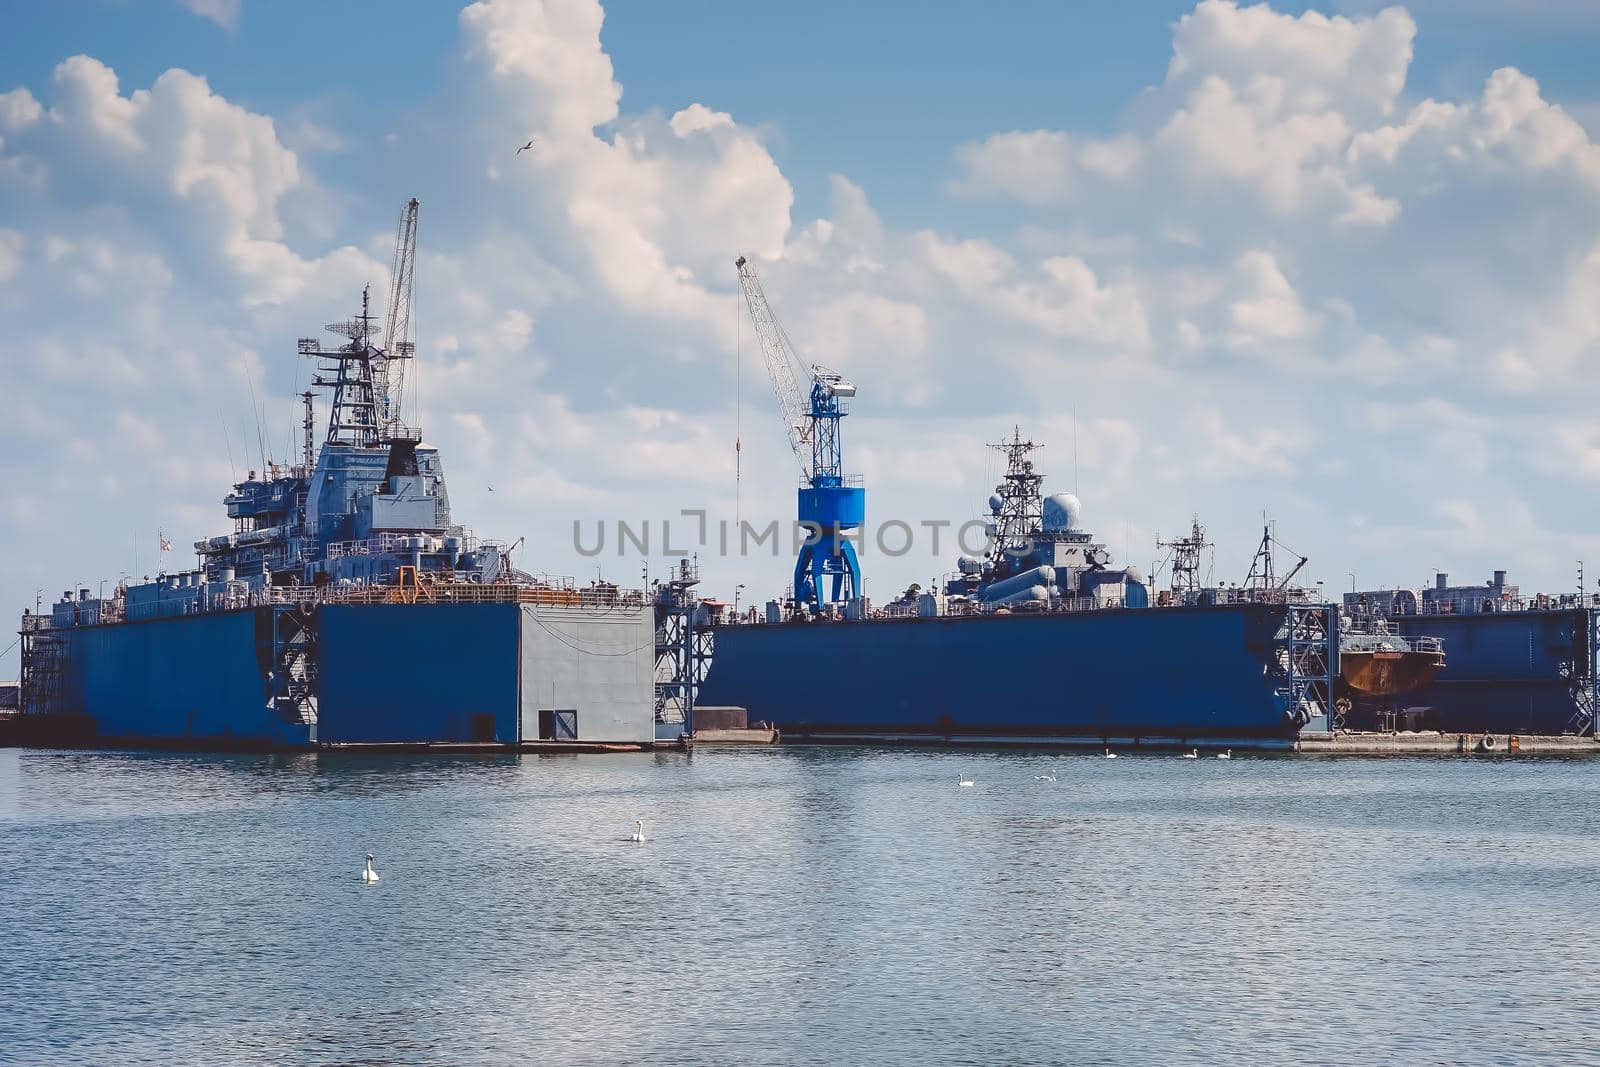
<point x="749" y="735"/>
<point x="730" y="725"/>
<point x="1434" y="743"/>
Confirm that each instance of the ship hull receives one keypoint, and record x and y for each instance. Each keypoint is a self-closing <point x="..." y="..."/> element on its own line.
<point x="1140" y="675"/>
<point x="1387" y="674"/>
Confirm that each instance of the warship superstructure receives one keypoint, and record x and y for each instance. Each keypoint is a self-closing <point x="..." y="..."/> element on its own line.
<point x="345" y="606"/>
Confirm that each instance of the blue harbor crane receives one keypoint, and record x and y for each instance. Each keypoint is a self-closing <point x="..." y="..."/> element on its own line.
<point x="830" y="504"/>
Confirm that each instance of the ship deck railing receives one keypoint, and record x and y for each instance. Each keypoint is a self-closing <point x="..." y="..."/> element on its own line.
<point x="463" y="593"/>
<point x="427" y="592"/>
<point x="383" y="544"/>
<point x="391" y="544"/>
<point x="1409" y="603"/>
<point x="495" y="592"/>
<point x="956" y="609"/>
<point x="442" y="593"/>
<point x="1486" y="605"/>
<point x="1366" y="641"/>
<point x="1491" y="606"/>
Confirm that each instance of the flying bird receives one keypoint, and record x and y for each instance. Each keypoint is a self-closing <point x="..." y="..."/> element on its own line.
<point x="525" y="147"/>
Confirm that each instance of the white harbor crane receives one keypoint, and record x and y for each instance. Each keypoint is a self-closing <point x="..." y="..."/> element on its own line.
<point x="388" y="372"/>
<point x="784" y="367"/>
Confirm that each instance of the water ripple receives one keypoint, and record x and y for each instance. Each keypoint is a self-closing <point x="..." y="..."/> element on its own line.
<point x="817" y="905"/>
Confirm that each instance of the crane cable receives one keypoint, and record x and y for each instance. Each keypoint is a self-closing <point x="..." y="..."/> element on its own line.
<point x="564" y="639"/>
<point x="738" y="404"/>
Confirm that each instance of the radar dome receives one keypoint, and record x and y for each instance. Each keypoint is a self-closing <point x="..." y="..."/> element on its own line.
<point x="969" y="565"/>
<point x="1061" y="512"/>
<point x="994" y="504"/>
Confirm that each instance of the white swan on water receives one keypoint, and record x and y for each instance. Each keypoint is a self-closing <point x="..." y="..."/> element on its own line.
<point x="638" y="832"/>
<point x="1193" y="753"/>
<point x="368" y="875"/>
<point x="1225" y="755"/>
<point x="965" y="781"/>
<point x="1045" y="777"/>
<point x="1110" y="754"/>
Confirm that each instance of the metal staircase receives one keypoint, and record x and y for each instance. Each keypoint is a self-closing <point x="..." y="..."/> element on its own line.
<point x="1304" y="661"/>
<point x="42" y="682"/>
<point x="683" y="649"/>
<point x="292" y="680"/>
<point x="1584" y="675"/>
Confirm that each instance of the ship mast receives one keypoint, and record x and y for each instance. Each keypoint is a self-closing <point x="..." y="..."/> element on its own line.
<point x="347" y="370"/>
<point x="1186" y="558"/>
<point x="1263" y="581"/>
<point x="1021" y="511"/>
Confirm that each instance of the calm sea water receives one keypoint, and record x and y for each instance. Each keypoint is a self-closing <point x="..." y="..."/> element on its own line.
<point x="798" y="906"/>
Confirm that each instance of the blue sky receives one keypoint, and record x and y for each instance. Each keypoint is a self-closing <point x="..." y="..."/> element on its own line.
<point x="1336" y="262"/>
<point x="880" y="91"/>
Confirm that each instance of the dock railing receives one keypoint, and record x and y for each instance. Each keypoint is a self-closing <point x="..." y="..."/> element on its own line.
<point x="962" y="607"/>
<point x="427" y="592"/>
